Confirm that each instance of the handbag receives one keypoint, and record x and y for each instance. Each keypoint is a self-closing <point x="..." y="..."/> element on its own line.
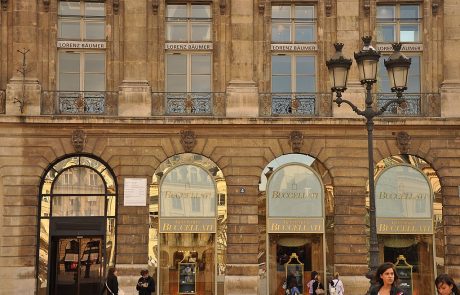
<point x="319" y="291"/>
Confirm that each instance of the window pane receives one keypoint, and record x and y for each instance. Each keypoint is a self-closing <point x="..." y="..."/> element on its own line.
<point x="305" y="84"/>
<point x="281" y="32"/>
<point x="409" y="33"/>
<point x="95" y="62"/>
<point x="305" y="12"/>
<point x="176" y="32"/>
<point x="409" y="12"/>
<point x="95" y="30"/>
<point x="69" y="82"/>
<point x="69" y="8"/>
<point x="413" y="83"/>
<point x="305" y="65"/>
<point x="304" y="33"/>
<point x="69" y="29"/>
<point x="69" y="62"/>
<point x="94" y="82"/>
<point x="383" y="80"/>
<point x="176" y="11"/>
<point x="201" y="64"/>
<point x="201" y="11"/>
<point x="78" y="206"/>
<point x="281" y="65"/>
<point x="94" y="9"/>
<point x="201" y="83"/>
<point x="386" y="12"/>
<point x="385" y="33"/>
<point x="281" y="84"/>
<point x="281" y="12"/>
<point x="176" y="64"/>
<point x="176" y="83"/>
<point x="201" y="32"/>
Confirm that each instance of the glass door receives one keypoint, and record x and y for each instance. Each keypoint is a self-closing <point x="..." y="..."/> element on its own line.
<point x="78" y="265"/>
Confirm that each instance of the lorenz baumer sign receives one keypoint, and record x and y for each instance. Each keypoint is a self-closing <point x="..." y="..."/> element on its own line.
<point x="295" y="200"/>
<point x="188" y="201"/>
<point x="403" y="201"/>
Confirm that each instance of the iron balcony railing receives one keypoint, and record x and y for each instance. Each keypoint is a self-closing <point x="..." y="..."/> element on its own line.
<point x="291" y="103"/>
<point x="2" y="101"/>
<point x="188" y="103"/>
<point x="79" y="102"/>
<point x="412" y="105"/>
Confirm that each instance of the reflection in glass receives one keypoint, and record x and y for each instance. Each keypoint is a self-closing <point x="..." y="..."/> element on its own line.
<point x="78" y="205"/>
<point x="110" y="242"/>
<point x="45" y="209"/>
<point x="43" y="256"/>
<point x="79" y="180"/>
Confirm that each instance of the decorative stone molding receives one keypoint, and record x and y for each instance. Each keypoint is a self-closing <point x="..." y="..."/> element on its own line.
<point x="296" y="141"/>
<point x="403" y="140"/>
<point x="188" y="140"/>
<point x="435" y="6"/>
<point x="78" y="140"/>
<point x="46" y="4"/>
<point x="261" y="7"/>
<point x="155" y="5"/>
<point x="328" y="7"/>
<point x="116" y="6"/>
<point x="4" y="4"/>
<point x="367" y="7"/>
<point x="222" y="6"/>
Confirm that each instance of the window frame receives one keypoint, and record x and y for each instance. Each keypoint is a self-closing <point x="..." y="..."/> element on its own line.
<point x="82" y="19"/>
<point x="397" y="22"/>
<point x="293" y="74"/>
<point x="188" y="71"/>
<point x="293" y="22"/>
<point x="188" y="20"/>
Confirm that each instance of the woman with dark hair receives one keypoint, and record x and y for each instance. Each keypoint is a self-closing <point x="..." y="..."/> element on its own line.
<point x="386" y="280"/>
<point x="446" y="285"/>
<point x="111" y="285"/>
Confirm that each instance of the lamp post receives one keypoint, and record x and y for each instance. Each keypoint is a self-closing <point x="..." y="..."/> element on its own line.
<point x="367" y="59"/>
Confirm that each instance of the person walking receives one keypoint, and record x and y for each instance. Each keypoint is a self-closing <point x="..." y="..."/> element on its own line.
<point x="145" y="284"/>
<point x="446" y="285"/>
<point x="310" y="283"/>
<point x="387" y="280"/>
<point x="336" y="285"/>
<point x="318" y="287"/>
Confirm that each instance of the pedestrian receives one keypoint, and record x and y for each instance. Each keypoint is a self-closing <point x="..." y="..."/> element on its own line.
<point x="318" y="287"/>
<point x="336" y="285"/>
<point x="386" y="280"/>
<point x="310" y="283"/>
<point x="446" y="285"/>
<point x="145" y="284"/>
<point x="111" y="284"/>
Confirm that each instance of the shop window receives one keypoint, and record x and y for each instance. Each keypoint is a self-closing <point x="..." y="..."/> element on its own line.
<point x="398" y="23"/>
<point x="293" y="24"/>
<point x="188" y="72"/>
<point x="81" y="20"/>
<point x="188" y="22"/>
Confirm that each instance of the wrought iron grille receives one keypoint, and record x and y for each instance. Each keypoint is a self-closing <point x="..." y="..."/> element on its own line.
<point x="79" y="102"/>
<point x="411" y="107"/>
<point x="289" y="104"/>
<point x="189" y="103"/>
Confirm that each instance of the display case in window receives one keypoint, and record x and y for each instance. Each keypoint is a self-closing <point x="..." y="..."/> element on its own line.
<point x="404" y="271"/>
<point x="294" y="273"/>
<point x="187" y="277"/>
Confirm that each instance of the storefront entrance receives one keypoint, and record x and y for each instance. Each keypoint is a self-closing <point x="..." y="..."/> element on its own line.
<point x="77" y="266"/>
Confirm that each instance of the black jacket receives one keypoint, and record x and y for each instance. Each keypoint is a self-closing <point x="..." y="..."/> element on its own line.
<point x="112" y="283"/>
<point x="394" y="290"/>
<point x="317" y="285"/>
<point x="145" y="290"/>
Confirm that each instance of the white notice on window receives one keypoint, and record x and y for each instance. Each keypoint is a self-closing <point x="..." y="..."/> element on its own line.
<point x="135" y="190"/>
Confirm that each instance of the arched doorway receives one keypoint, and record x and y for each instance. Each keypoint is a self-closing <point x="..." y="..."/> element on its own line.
<point x="296" y="223"/>
<point x="409" y="221"/>
<point x="76" y="228"/>
<point x="187" y="237"/>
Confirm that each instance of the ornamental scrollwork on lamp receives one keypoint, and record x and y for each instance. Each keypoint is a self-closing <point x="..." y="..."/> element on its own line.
<point x="78" y="140"/>
<point x="296" y="141"/>
<point x="403" y="140"/>
<point x="188" y="140"/>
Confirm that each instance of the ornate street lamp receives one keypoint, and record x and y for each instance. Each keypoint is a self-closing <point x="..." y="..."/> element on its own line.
<point x="367" y="59"/>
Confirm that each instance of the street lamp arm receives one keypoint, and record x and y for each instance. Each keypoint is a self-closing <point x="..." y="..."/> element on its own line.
<point x="339" y="101"/>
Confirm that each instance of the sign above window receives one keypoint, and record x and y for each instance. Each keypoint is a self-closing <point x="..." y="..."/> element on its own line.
<point x="81" y="44"/>
<point x="294" y="47"/>
<point x="188" y="46"/>
<point x="405" y="47"/>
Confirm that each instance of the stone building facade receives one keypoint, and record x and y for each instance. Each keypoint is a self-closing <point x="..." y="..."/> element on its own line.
<point x="238" y="90"/>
